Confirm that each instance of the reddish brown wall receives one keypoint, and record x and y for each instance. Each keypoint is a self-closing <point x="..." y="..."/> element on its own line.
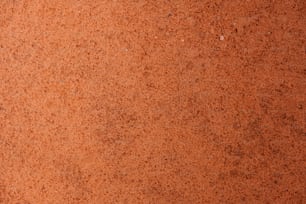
<point x="152" y="101"/>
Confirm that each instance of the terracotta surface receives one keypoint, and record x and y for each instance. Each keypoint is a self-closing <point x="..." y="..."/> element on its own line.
<point x="164" y="101"/>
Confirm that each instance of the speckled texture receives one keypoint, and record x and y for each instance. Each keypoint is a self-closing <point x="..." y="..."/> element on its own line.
<point x="152" y="101"/>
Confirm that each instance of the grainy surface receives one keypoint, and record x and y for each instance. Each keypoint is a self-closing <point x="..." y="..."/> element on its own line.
<point x="164" y="101"/>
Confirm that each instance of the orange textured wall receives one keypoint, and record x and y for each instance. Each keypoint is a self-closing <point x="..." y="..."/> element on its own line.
<point x="152" y="101"/>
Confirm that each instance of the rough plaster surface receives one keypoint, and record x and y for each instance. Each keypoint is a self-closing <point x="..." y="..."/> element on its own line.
<point x="164" y="101"/>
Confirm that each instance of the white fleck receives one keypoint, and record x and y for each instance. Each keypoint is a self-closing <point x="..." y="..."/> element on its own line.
<point x="221" y="37"/>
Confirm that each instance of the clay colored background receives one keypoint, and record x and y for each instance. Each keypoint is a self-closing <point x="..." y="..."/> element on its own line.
<point x="152" y="101"/>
